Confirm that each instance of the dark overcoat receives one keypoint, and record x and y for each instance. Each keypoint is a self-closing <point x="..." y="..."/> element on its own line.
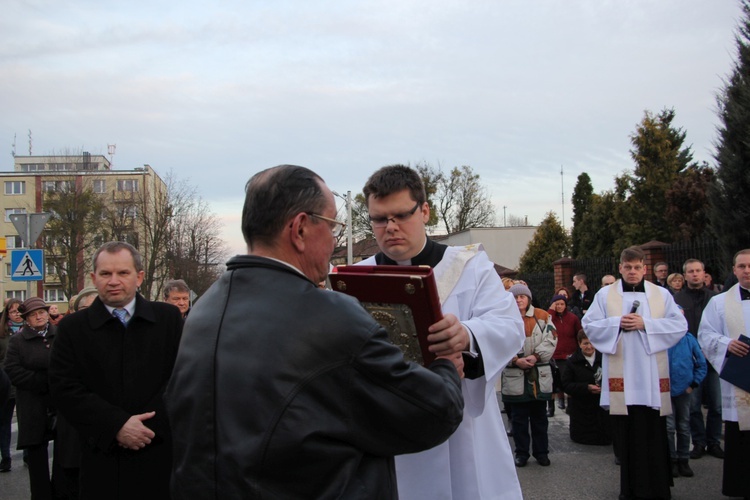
<point x="26" y="363"/>
<point x="102" y="373"/>
<point x="589" y="422"/>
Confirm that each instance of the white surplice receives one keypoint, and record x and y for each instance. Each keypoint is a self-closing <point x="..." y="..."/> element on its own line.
<point x="476" y="462"/>
<point x="639" y="365"/>
<point x="714" y="337"/>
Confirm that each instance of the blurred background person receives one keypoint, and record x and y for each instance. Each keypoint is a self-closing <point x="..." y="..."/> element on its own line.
<point x="567" y="325"/>
<point x="26" y="364"/>
<point x="527" y="381"/>
<point x="581" y="380"/>
<point x="564" y="292"/>
<point x="10" y="322"/>
<point x="84" y="298"/>
<point x="607" y="280"/>
<point x="687" y="369"/>
<point x="708" y="282"/>
<point x="177" y="293"/>
<point x="675" y="282"/>
<point x="54" y="315"/>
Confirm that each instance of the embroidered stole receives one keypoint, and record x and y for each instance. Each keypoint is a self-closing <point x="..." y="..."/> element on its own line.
<point x="736" y="326"/>
<point x="448" y="272"/>
<point x="657" y="307"/>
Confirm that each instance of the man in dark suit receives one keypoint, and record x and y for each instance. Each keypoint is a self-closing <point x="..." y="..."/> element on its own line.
<point x="107" y="377"/>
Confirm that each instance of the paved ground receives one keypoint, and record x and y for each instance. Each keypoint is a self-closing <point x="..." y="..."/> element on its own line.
<point x="577" y="472"/>
<point x="589" y="472"/>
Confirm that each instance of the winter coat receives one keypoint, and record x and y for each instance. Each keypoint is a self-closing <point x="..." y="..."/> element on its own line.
<point x="687" y="365"/>
<point x="26" y="364"/>
<point x="535" y="383"/>
<point x="589" y="422"/>
<point x="567" y="325"/>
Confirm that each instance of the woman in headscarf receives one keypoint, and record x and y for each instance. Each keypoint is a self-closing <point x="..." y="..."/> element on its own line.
<point x="26" y="363"/>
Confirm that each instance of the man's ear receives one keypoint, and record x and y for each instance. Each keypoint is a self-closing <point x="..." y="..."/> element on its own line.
<point x="298" y="231"/>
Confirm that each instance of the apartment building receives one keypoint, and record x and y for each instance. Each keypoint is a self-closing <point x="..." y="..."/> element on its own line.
<point x="24" y="189"/>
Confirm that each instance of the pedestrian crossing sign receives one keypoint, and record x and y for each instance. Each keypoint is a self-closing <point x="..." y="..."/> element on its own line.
<point x="27" y="265"/>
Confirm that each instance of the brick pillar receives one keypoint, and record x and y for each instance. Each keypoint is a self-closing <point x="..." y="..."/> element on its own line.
<point x="564" y="273"/>
<point x="656" y="251"/>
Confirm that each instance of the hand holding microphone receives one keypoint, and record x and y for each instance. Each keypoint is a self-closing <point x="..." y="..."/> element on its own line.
<point x="632" y="321"/>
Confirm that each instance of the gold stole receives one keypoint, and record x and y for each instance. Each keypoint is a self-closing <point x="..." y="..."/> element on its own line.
<point x="616" y="377"/>
<point x="448" y="271"/>
<point x="736" y="327"/>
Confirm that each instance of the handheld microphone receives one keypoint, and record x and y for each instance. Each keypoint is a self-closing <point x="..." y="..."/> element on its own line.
<point x="633" y="309"/>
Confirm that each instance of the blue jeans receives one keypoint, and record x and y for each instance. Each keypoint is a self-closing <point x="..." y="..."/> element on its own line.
<point x="681" y="417"/>
<point x="535" y="414"/>
<point x="710" y="390"/>
<point x="6" y="419"/>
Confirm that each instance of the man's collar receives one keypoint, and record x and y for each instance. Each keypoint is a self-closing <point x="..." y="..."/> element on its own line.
<point x="431" y="255"/>
<point x="129" y="307"/>
<point x="627" y="287"/>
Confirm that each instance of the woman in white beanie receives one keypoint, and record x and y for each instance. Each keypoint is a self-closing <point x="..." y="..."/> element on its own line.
<point x="527" y="380"/>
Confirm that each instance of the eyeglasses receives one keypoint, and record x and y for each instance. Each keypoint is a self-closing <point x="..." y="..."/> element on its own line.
<point x="396" y="219"/>
<point x="336" y="229"/>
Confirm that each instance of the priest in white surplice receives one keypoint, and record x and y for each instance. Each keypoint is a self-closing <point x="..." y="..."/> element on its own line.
<point x="634" y="338"/>
<point x="480" y="319"/>
<point x="725" y="318"/>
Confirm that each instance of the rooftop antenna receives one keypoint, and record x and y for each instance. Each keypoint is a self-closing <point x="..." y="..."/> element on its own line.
<point x="30" y="142"/>
<point x="562" y="195"/>
<point x="13" y="151"/>
<point x="111" y="152"/>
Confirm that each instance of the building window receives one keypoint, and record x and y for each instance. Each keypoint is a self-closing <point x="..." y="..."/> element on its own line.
<point x="13" y="241"/>
<point x="130" y="212"/>
<point x="58" y="186"/>
<point x="15" y="187"/>
<point x="8" y="270"/>
<point x="16" y="294"/>
<point x="32" y="167"/>
<point x="130" y="185"/>
<point x="54" y="295"/>
<point x="100" y="186"/>
<point x="11" y="211"/>
<point x="51" y="268"/>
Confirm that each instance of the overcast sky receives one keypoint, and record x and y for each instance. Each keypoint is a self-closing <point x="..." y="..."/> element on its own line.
<point x="216" y="91"/>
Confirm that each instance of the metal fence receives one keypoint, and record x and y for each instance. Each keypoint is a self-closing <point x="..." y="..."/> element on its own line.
<point x="595" y="268"/>
<point x="542" y="286"/>
<point x="706" y="250"/>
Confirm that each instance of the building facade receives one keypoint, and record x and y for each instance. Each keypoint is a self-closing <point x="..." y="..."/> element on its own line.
<point x="125" y="193"/>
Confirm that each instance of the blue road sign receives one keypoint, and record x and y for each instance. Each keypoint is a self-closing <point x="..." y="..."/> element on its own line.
<point x="27" y="265"/>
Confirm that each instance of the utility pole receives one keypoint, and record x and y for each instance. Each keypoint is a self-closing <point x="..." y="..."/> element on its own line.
<point x="562" y="195"/>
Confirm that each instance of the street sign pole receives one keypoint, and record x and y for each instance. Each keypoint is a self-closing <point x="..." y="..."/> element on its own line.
<point x="29" y="227"/>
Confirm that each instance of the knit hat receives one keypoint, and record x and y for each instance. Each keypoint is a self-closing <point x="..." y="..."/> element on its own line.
<point x="519" y="289"/>
<point x="30" y="305"/>
<point x="558" y="297"/>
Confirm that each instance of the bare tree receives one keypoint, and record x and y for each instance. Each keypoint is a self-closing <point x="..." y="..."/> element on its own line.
<point x="462" y="202"/>
<point x="196" y="252"/>
<point x="71" y="231"/>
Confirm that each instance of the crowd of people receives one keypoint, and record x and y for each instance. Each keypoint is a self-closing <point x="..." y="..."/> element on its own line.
<point x="272" y="386"/>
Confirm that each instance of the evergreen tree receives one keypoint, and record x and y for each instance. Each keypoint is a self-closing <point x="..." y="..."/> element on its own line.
<point x="550" y="243"/>
<point x="599" y="229"/>
<point x="730" y="206"/>
<point x="687" y="203"/>
<point x="659" y="157"/>
<point x="582" y="199"/>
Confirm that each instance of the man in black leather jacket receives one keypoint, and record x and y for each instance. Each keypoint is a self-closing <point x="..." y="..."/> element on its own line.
<point x="284" y="390"/>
